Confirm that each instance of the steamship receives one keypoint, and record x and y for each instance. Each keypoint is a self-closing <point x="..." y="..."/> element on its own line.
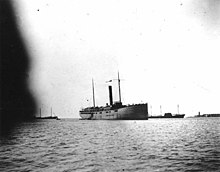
<point x="169" y="115"/>
<point x="116" y="110"/>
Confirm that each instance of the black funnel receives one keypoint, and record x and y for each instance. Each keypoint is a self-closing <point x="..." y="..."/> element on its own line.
<point x="110" y="95"/>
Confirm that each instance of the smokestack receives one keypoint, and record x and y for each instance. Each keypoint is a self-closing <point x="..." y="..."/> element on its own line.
<point x="110" y="95"/>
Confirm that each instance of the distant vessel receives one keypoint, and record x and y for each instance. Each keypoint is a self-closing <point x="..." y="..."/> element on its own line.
<point x="47" y="117"/>
<point x="208" y="115"/>
<point x="169" y="115"/>
<point x="116" y="110"/>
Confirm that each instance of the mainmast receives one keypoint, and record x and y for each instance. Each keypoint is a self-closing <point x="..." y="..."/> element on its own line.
<point x="119" y="88"/>
<point x="93" y="93"/>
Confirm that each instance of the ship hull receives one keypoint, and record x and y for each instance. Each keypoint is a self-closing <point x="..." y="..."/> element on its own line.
<point x="48" y="117"/>
<point x="132" y="112"/>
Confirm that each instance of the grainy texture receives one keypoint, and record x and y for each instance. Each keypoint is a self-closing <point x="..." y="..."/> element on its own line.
<point x="152" y="145"/>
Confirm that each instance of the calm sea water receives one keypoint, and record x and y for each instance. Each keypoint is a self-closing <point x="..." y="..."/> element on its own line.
<point x="189" y="144"/>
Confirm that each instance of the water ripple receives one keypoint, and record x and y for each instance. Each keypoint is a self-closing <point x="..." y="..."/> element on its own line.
<point x="76" y="145"/>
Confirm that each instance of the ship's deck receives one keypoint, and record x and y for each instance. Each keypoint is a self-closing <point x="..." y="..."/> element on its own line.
<point x="104" y="108"/>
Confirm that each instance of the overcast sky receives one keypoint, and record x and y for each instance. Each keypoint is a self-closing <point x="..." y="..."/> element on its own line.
<point x="167" y="53"/>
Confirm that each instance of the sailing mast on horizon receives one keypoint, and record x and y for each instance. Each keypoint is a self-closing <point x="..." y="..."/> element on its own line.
<point x="93" y="93"/>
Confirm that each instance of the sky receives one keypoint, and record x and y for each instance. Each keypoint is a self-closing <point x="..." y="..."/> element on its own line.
<point x="167" y="53"/>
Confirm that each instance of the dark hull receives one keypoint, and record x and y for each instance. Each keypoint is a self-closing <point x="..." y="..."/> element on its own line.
<point x="48" y="117"/>
<point x="175" y="116"/>
<point x="208" y="115"/>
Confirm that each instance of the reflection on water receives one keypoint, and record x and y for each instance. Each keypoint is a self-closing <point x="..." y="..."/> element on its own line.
<point x="154" y="145"/>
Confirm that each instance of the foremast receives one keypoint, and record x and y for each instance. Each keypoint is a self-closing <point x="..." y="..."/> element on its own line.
<point x="119" y="88"/>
